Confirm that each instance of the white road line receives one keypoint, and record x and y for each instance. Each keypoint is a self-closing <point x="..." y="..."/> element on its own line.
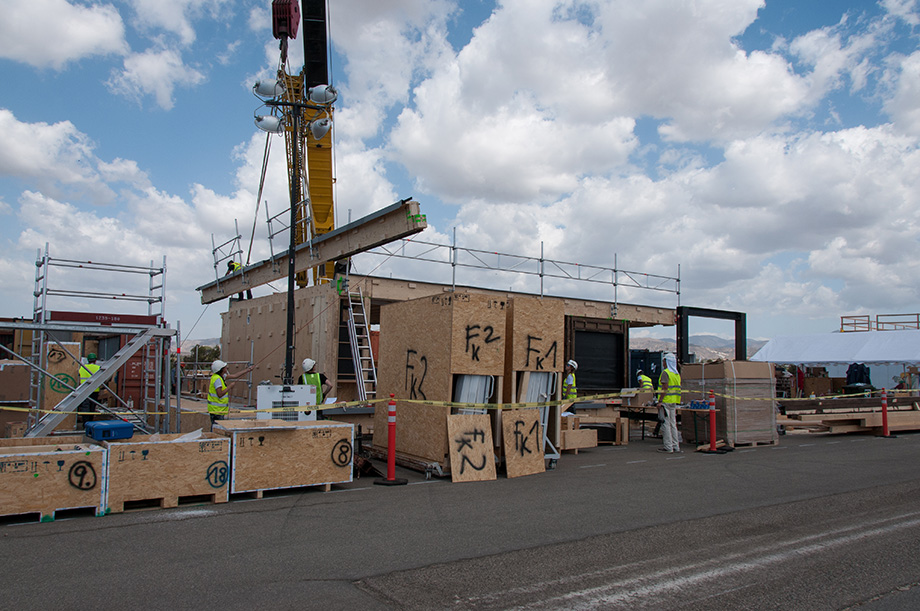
<point x="805" y="445"/>
<point x="592" y="466"/>
<point x="633" y="462"/>
<point x="622" y="592"/>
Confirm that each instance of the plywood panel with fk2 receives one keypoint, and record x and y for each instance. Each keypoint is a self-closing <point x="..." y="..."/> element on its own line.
<point x="472" y="458"/>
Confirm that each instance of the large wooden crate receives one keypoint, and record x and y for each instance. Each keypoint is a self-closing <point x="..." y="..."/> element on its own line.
<point x="166" y="468"/>
<point x="45" y="479"/>
<point x="271" y="454"/>
<point x="745" y="401"/>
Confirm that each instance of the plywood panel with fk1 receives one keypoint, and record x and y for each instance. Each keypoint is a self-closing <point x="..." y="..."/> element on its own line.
<point x="472" y="458"/>
<point x="269" y="454"/>
<point x="537" y="334"/>
<point x="523" y="436"/>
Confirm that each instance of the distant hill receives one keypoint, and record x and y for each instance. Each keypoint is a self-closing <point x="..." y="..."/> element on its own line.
<point x="705" y="347"/>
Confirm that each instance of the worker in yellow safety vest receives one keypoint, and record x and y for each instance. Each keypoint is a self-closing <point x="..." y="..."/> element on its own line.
<point x="569" y="389"/>
<point x="89" y="404"/>
<point x="233" y="266"/>
<point x="219" y="390"/>
<point x="645" y="382"/>
<point x="669" y="398"/>
<point x="316" y="380"/>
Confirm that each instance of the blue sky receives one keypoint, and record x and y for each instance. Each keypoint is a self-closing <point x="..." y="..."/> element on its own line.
<point x="769" y="149"/>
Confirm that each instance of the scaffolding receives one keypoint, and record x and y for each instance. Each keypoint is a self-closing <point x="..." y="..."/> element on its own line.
<point x="881" y="322"/>
<point x="150" y="338"/>
<point x="541" y="267"/>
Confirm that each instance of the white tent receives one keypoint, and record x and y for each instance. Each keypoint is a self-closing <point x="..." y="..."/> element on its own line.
<point x="869" y="347"/>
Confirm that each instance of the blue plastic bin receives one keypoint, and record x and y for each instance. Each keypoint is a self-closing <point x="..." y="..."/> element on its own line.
<point x="107" y="430"/>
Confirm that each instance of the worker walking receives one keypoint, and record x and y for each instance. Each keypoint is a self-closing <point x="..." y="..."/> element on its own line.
<point x="219" y="390"/>
<point x="669" y="396"/>
<point x="316" y="380"/>
<point x="86" y="372"/>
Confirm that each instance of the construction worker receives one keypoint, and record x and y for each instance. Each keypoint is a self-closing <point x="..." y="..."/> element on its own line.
<point x="669" y="399"/>
<point x="569" y="390"/>
<point x="316" y="380"/>
<point x="219" y="390"/>
<point x="233" y="266"/>
<point x="86" y="372"/>
<point x="645" y="382"/>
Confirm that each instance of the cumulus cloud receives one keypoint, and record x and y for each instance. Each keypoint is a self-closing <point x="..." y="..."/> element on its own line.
<point x="176" y="16"/>
<point x="155" y="72"/>
<point x="28" y="34"/>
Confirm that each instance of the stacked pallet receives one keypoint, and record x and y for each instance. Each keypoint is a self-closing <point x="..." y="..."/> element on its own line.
<point x="850" y="414"/>
<point x="745" y="404"/>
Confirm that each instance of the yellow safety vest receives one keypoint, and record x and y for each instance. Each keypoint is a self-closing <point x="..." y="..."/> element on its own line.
<point x="217" y="404"/>
<point x="571" y="392"/>
<point x="312" y="379"/>
<point x="672" y="395"/>
<point x="87" y="371"/>
<point x="645" y="382"/>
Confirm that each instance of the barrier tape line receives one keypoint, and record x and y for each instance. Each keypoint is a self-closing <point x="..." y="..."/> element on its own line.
<point x="458" y="405"/>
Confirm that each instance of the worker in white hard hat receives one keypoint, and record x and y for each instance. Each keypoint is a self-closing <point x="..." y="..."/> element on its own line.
<point x="316" y="380"/>
<point x="219" y="390"/>
<point x="569" y="390"/>
<point x="669" y="394"/>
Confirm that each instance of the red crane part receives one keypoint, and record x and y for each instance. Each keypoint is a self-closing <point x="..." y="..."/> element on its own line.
<point x="285" y="19"/>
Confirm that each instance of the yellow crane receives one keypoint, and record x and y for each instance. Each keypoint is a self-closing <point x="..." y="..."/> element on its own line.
<point x="318" y="208"/>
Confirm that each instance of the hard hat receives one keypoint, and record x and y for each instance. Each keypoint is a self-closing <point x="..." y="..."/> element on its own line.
<point x="572" y="364"/>
<point x="217" y="365"/>
<point x="91" y="357"/>
<point x="308" y="364"/>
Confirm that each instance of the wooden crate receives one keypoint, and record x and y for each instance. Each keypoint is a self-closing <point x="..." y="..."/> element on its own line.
<point x="45" y="479"/>
<point x="166" y="468"/>
<point x="576" y="440"/>
<point x="271" y="454"/>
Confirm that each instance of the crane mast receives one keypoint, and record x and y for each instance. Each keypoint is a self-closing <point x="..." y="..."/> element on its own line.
<point x="315" y="214"/>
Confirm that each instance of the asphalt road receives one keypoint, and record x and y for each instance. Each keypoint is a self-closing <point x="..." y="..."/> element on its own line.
<point x="814" y="523"/>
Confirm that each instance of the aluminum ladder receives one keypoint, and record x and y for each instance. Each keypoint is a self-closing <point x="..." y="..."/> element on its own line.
<point x="361" y="353"/>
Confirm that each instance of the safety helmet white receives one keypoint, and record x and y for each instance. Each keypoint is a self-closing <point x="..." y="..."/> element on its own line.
<point x="572" y="364"/>
<point x="308" y="364"/>
<point x="217" y="365"/>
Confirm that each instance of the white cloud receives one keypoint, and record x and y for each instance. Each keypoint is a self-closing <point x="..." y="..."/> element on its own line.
<point x="52" y="33"/>
<point x="154" y="72"/>
<point x="176" y="16"/>
<point x="57" y="157"/>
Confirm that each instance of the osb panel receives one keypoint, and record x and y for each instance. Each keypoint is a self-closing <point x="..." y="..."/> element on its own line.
<point x="472" y="458"/>
<point x="270" y="454"/>
<point x="161" y="466"/>
<point x="59" y="442"/>
<point x="193" y="420"/>
<point x="61" y="366"/>
<point x="414" y="350"/>
<point x="536" y="328"/>
<point x="258" y="326"/>
<point x="582" y="438"/>
<point x="399" y="290"/>
<point x="478" y="334"/>
<point x="523" y="437"/>
<point x="421" y="430"/>
<point x="47" y="478"/>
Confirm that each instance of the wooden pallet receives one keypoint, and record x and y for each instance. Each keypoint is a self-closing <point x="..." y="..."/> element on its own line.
<point x="163" y="502"/>
<point x="259" y="494"/>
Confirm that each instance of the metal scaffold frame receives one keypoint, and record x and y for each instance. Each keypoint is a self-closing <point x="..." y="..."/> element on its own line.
<point x="152" y="337"/>
<point x="471" y="258"/>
